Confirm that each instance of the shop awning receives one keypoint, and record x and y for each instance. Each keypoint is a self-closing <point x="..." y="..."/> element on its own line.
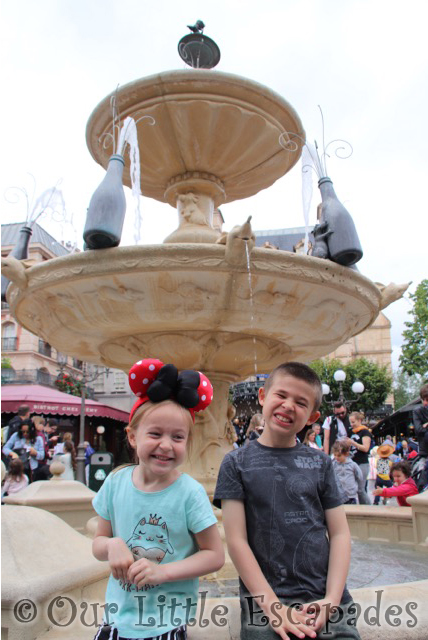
<point x="47" y="400"/>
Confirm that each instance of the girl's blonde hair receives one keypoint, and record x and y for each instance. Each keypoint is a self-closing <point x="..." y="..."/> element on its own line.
<point x="307" y="434"/>
<point x="256" y="421"/>
<point x="144" y="411"/>
<point x="69" y="448"/>
<point x="357" y="415"/>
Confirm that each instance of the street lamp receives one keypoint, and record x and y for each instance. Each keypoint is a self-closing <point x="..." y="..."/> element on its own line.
<point x="80" y="458"/>
<point x="100" y="431"/>
<point x="340" y="376"/>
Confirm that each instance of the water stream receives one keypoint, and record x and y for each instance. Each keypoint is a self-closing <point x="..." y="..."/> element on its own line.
<point x="250" y="286"/>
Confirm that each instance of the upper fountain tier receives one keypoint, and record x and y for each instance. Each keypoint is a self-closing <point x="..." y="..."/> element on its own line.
<point x="215" y="135"/>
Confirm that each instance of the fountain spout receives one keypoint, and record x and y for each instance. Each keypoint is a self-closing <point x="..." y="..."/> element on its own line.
<point x="237" y="241"/>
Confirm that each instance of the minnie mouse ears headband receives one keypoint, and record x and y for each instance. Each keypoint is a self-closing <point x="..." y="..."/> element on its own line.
<point x="151" y="379"/>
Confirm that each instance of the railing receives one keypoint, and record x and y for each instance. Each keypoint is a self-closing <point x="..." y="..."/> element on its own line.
<point x="8" y="344"/>
<point x="247" y="390"/>
<point x="45" y="348"/>
<point x="34" y="376"/>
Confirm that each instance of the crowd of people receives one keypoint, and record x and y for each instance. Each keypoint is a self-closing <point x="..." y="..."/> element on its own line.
<point x="365" y="473"/>
<point x="281" y="491"/>
<point x="30" y="444"/>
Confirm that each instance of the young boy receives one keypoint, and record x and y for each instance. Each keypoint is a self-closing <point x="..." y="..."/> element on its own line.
<point x="279" y="500"/>
<point x="405" y="485"/>
<point x="349" y="475"/>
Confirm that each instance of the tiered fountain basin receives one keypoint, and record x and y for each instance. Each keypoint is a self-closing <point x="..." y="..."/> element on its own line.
<point x="187" y="304"/>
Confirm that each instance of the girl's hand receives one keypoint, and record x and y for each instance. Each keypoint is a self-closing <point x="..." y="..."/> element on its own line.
<point x="12" y="454"/>
<point x="32" y="451"/>
<point x="145" y="572"/>
<point x="377" y="492"/>
<point x="285" y="619"/>
<point x="120" y="558"/>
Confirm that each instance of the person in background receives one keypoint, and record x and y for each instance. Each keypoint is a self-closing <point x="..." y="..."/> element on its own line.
<point x="317" y="428"/>
<point x="89" y="450"/>
<point x="383" y="468"/>
<point x="42" y="472"/>
<point x="404" y="487"/>
<point x="359" y="442"/>
<point x="348" y="474"/>
<point x="68" y="458"/>
<point x="371" y="477"/>
<point x="336" y="427"/>
<point x="26" y="445"/>
<point x="310" y="439"/>
<point x="420" y="421"/>
<point x="16" y="423"/>
<point x="59" y="447"/>
<point x="15" y="479"/>
<point x="255" y="428"/>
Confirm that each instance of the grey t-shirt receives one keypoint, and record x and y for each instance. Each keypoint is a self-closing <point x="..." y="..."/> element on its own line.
<point x="285" y="493"/>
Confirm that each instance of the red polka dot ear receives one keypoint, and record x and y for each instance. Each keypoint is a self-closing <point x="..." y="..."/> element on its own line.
<point x="205" y="393"/>
<point x="142" y="374"/>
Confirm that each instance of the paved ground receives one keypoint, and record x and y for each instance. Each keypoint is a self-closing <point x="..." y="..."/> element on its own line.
<point x="371" y="565"/>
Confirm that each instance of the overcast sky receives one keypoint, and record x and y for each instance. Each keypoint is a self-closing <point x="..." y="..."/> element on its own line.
<point x="363" y="61"/>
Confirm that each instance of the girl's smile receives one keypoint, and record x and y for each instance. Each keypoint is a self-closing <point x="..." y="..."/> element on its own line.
<point x="160" y="442"/>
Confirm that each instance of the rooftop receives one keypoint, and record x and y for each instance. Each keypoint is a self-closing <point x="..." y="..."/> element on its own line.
<point x="10" y="234"/>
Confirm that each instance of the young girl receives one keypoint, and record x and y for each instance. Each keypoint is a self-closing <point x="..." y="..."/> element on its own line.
<point x="15" y="479"/>
<point x="68" y="458"/>
<point x="309" y="439"/>
<point x="405" y="486"/>
<point x="26" y="445"/>
<point x="156" y="526"/>
<point x="255" y="428"/>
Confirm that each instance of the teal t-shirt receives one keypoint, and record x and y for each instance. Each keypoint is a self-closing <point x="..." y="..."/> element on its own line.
<point x="158" y="526"/>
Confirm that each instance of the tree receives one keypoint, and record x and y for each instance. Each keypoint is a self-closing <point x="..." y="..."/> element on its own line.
<point x="405" y="388"/>
<point x="376" y="379"/>
<point x="414" y="352"/>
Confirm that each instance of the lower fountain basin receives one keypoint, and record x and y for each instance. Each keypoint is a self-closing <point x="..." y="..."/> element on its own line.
<point x="185" y="303"/>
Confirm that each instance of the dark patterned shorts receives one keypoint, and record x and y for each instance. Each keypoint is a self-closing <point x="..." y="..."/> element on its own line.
<point x="106" y="632"/>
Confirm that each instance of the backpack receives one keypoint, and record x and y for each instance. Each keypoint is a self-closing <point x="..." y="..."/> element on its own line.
<point x="419" y="472"/>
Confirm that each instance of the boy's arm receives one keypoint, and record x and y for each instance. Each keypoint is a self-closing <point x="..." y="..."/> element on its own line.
<point x="338" y="565"/>
<point x="359" y="478"/>
<point x="249" y="570"/>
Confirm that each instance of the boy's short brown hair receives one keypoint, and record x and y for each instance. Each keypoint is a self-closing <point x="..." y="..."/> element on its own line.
<point x="340" y="447"/>
<point x="301" y="372"/>
<point x="423" y="392"/>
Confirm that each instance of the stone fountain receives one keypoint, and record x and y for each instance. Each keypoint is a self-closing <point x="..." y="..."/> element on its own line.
<point x="189" y="300"/>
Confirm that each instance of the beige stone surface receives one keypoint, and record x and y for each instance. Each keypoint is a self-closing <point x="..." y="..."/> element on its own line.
<point x="68" y="499"/>
<point x="420" y="519"/>
<point x="215" y="133"/>
<point x="43" y="557"/>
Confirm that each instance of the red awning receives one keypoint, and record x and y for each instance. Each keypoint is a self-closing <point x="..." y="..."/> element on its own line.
<point x="47" y="400"/>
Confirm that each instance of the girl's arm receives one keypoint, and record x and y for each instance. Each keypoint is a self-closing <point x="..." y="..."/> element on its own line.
<point x="405" y="489"/>
<point x="209" y="558"/>
<point x="114" y="550"/>
<point x="38" y="449"/>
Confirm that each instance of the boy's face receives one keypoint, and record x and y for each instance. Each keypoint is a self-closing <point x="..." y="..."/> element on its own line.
<point x="340" y="457"/>
<point x="288" y="406"/>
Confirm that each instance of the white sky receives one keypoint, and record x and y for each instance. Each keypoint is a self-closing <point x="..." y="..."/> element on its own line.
<point x="363" y="61"/>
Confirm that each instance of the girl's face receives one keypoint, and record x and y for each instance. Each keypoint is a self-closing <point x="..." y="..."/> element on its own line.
<point x="398" y="477"/>
<point x="160" y="441"/>
<point x="25" y="431"/>
<point x="311" y="436"/>
<point x="354" y="422"/>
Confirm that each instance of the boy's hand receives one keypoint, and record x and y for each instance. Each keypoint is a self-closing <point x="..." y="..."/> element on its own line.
<point x="120" y="558"/>
<point x="145" y="572"/>
<point x="377" y="492"/>
<point x="285" y="619"/>
<point x="321" y="610"/>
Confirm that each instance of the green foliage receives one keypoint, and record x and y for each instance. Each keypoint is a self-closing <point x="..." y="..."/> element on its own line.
<point x="6" y="363"/>
<point x="405" y="388"/>
<point x="376" y="380"/>
<point x="68" y="384"/>
<point x="414" y="352"/>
